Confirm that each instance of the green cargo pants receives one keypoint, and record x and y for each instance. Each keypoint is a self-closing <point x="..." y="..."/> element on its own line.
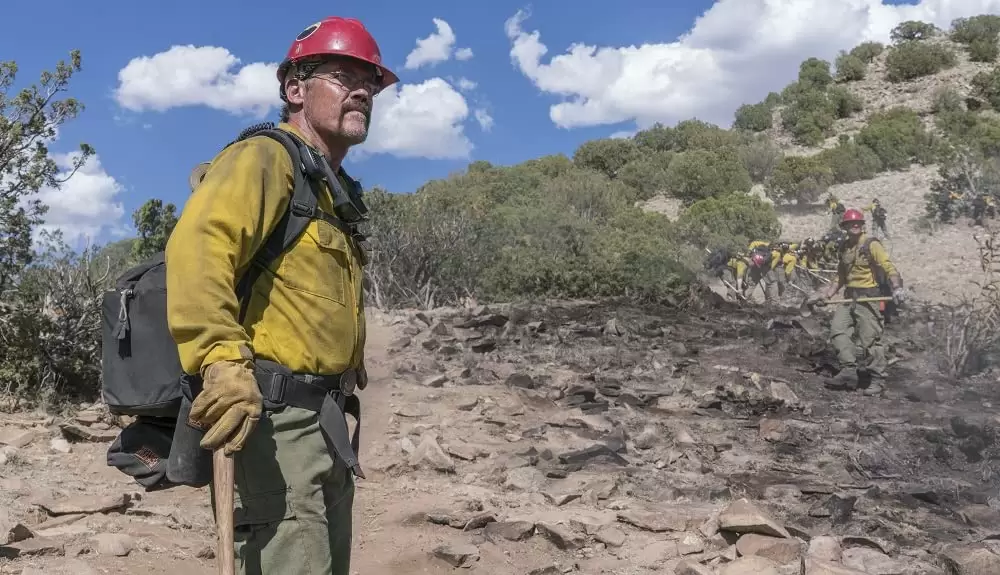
<point x="293" y="502"/>
<point x="774" y="285"/>
<point x="865" y="323"/>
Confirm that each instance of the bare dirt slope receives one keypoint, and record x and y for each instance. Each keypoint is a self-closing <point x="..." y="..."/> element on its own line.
<point x="587" y="438"/>
<point x="936" y="266"/>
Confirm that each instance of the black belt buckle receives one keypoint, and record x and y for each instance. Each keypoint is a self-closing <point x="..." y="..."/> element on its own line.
<point x="349" y="382"/>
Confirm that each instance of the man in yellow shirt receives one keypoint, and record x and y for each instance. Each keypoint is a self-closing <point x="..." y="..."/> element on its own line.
<point x="299" y="338"/>
<point x="861" y="259"/>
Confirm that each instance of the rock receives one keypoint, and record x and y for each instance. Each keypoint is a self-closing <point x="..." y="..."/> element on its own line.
<point x="782" y="492"/>
<point x="430" y="454"/>
<point x="457" y="555"/>
<point x="35" y="546"/>
<point x="521" y="380"/>
<point x="413" y="410"/>
<point x="509" y="530"/>
<point x="688" y="567"/>
<point x="88" y="433"/>
<point x="778" y="549"/>
<point x="560" y="535"/>
<point x="657" y="522"/>
<point x="647" y="438"/>
<point x="655" y="554"/>
<point x="970" y="560"/>
<point x="751" y="565"/>
<point x="690" y="544"/>
<point x="85" y="504"/>
<point x="825" y="548"/>
<point x="744" y="517"/>
<point x="810" y="566"/>
<point x="772" y="429"/>
<point x="116" y="544"/>
<point x="17" y="438"/>
<point x="399" y="344"/>
<point x="527" y="479"/>
<point x="60" y="445"/>
<point x="560" y="498"/>
<point x="780" y="391"/>
<point x="550" y="569"/>
<point x="435" y="381"/>
<point x="872" y="562"/>
<point x="610" y="536"/>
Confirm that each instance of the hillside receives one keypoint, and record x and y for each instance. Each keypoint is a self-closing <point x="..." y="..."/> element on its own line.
<point x="939" y="260"/>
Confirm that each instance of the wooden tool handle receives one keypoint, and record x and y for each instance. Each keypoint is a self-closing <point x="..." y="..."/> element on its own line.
<point x="223" y="478"/>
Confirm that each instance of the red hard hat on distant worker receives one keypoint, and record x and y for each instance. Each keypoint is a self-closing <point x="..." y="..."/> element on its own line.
<point x="852" y="215"/>
<point x="336" y="36"/>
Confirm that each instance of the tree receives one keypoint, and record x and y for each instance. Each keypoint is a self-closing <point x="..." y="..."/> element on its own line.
<point x="29" y="122"/>
<point x="153" y="223"/>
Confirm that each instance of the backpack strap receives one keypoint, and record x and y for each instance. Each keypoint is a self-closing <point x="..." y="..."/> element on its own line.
<point x="302" y="208"/>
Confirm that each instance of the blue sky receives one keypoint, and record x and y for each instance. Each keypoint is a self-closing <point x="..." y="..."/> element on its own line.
<point x="636" y="62"/>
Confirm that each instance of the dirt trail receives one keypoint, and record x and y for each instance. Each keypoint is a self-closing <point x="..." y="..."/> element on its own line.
<point x="586" y="438"/>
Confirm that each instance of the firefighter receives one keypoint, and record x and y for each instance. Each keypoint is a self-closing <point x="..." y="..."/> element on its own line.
<point x="864" y="266"/>
<point x="294" y="497"/>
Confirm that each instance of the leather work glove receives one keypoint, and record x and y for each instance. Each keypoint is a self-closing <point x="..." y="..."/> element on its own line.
<point x="229" y="405"/>
<point x="899" y="295"/>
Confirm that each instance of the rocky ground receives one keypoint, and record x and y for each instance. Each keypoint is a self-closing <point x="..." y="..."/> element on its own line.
<point x="583" y="438"/>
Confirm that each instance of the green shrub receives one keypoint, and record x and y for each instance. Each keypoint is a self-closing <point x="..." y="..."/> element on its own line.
<point x="844" y="103"/>
<point x="986" y="85"/>
<point x="647" y="174"/>
<point x="759" y="157"/>
<point x="850" y="68"/>
<point x="850" y="162"/>
<point x="699" y="135"/>
<point x="897" y="136"/>
<point x="867" y="51"/>
<point x="912" y="30"/>
<point x="809" y="116"/>
<point x="911" y="60"/>
<point x="655" y="138"/>
<point x="814" y="74"/>
<point x="730" y="220"/>
<point x="985" y="27"/>
<point x="697" y="174"/>
<point x="754" y="117"/>
<point x="802" y="178"/>
<point x="946" y="100"/>
<point x="984" y="50"/>
<point x="606" y="155"/>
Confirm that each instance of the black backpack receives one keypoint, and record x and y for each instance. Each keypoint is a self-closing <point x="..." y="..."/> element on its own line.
<point x="140" y="367"/>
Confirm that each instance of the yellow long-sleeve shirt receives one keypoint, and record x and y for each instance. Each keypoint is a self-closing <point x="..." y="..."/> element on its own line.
<point x="306" y="310"/>
<point x="856" y="270"/>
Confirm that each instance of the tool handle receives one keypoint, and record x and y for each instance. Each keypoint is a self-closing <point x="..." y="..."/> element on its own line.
<point x="858" y="300"/>
<point x="223" y="478"/>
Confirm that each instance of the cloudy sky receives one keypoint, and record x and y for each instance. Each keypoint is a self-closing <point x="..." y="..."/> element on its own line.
<point x="502" y="81"/>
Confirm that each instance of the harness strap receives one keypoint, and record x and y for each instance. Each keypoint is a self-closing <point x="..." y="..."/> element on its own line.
<point x="331" y="396"/>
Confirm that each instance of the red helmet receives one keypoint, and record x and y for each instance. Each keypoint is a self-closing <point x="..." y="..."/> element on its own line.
<point x="336" y="36"/>
<point x="852" y="215"/>
<point x="758" y="259"/>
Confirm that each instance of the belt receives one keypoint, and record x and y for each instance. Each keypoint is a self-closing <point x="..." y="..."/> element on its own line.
<point x="332" y="396"/>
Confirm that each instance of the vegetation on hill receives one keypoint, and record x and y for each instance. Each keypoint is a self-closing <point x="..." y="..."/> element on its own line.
<point x="555" y="226"/>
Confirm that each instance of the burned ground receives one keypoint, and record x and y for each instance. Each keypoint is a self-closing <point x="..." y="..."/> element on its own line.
<point x="604" y="438"/>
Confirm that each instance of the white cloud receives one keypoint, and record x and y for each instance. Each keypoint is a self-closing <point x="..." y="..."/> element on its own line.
<point x="737" y="52"/>
<point x="465" y="84"/>
<point x="438" y="47"/>
<point x="197" y="76"/>
<point x="85" y="204"/>
<point x="423" y="120"/>
<point x="484" y="119"/>
<point x="409" y="120"/>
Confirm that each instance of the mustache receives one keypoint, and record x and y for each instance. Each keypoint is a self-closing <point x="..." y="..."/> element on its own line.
<point x="365" y="109"/>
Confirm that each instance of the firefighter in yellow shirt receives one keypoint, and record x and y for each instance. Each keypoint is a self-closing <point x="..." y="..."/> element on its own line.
<point x="863" y="262"/>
